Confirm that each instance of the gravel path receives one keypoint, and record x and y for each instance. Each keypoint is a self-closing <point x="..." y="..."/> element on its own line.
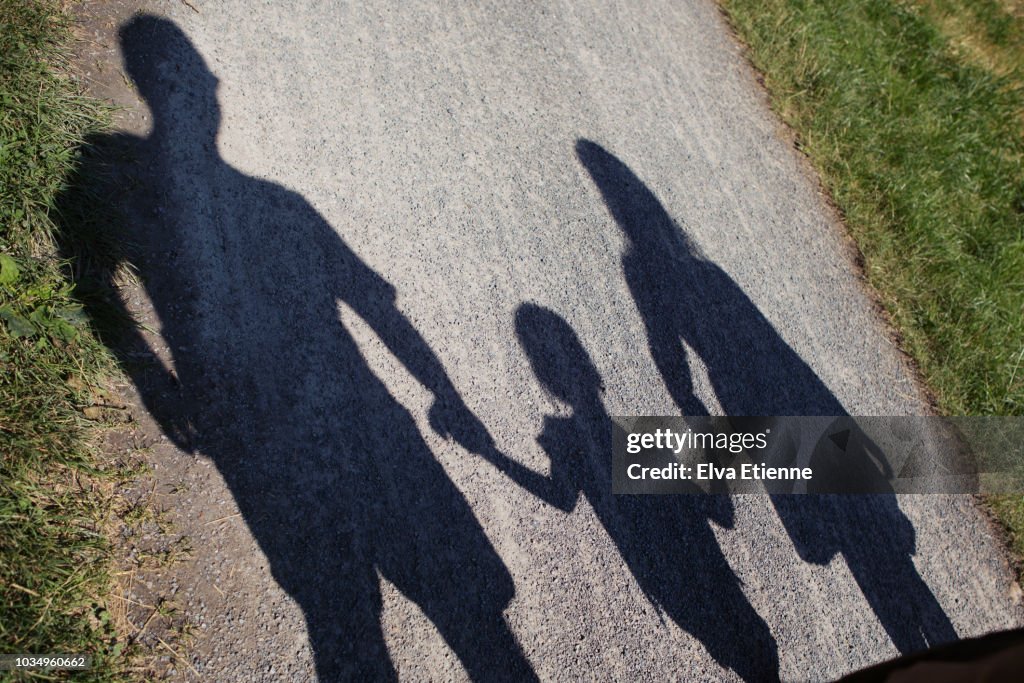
<point x="364" y="229"/>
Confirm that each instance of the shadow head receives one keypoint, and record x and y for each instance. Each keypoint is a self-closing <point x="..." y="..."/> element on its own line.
<point x="556" y="355"/>
<point x="639" y="214"/>
<point x="171" y="76"/>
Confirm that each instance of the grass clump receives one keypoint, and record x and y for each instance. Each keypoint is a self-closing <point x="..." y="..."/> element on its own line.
<point x="54" y="557"/>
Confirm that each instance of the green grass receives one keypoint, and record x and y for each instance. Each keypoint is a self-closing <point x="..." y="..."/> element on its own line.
<point x="920" y="145"/>
<point x="54" y="501"/>
<point x="913" y="113"/>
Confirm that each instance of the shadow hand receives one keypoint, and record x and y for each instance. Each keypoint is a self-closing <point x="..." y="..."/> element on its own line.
<point x="451" y="418"/>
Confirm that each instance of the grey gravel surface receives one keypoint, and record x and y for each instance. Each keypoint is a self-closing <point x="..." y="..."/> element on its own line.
<point x="375" y="237"/>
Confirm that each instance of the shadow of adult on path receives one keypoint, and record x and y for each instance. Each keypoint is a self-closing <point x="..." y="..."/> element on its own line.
<point x="682" y="296"/>
<point x="330" y="472"/>
<point x="666" y="541"/>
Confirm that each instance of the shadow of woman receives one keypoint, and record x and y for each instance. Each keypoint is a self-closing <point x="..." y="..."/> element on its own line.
<point x="666" y="541"/>
<point x="682" y="296"/>
<point x="330" y="472"/>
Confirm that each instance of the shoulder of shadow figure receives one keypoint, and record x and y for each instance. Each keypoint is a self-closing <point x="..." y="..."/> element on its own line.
<point x="289" y="206"/>
<point x="109" y="169"/>
<point x="114" y="151"/>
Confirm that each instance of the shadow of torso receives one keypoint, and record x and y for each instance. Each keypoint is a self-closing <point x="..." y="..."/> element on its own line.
<point x="753" y="371"/>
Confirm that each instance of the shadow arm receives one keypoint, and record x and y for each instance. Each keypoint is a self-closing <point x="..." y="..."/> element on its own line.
<point x="158" y="386"/>
<point x="374" y="300"/>
<point x="670" y="358"/>
<point x="553" y="490"/>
